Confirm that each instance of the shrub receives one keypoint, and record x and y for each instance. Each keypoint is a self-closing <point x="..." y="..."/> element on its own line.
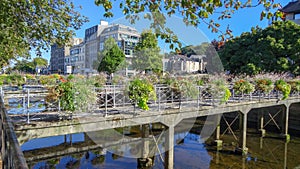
<point x="284" y="87"/>
<point x="243" y="87"/>
<point x="264" y="85"/>
<point x="100" y="79"/>
<point x="295" y="85"/>
<point x="47" y="80"/>
<point x="140" y="92"/>
<point x="219" y="89"/>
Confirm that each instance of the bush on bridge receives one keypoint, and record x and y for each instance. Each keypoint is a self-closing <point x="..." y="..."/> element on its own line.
<point x="74" y="93"/>
<point x="140" y="91"/>
<point x="264" y="85"/>
<point x="295" y="85"/>
<point x="284" y="87"/>
<point x="218" y="89"/>
<point x="243" y="87"/>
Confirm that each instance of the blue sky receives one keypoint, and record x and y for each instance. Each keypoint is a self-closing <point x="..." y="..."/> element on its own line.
<point x="241" y="21"/>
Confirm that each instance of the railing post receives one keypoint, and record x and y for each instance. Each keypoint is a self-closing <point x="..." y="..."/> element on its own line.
<point x="158" y="99"/>
<point x="114" y="99"/>
<point x="233" y="94"/>
<point x="59" y="108"/>
<point x="172" y="95"/>
<point x="28" y="104"/>
<point x="198" y="97"/>
<point x="105" y="90"/>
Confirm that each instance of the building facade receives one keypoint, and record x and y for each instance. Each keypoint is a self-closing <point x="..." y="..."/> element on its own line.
<point x="58" y="55"/>
<point x="127" y="38"/>
<point x="75" y="62"/>
<point x="292" y="11"/>
<point x="180" y="64"/>
<point x="82" y="56"/>
<point x="92" y="46"/>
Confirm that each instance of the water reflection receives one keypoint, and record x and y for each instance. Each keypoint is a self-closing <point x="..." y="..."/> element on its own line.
<point x="79" y="151"/>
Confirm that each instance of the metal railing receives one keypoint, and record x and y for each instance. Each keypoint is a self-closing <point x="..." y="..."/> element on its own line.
<point x="114" y="99"/>
<point x="11" y="153"/>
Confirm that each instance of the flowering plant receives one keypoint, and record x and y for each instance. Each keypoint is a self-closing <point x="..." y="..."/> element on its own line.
<point x="243" y="87"/>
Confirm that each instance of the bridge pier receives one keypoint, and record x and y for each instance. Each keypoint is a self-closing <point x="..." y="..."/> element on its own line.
<point x="218" y="141"/>
<point x="261" y="129"/>
<point x="242" y="149"/>
<point x="169" y="148"/>
<point x="285" y="123"/>
<point x="145" y="161"/>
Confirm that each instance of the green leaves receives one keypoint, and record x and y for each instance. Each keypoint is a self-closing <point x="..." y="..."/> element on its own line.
<point x="193" y="12"/>
<point x="273" y="49"/>
<point x="284" y="87"/>
<point x="35" y="25"/>
<point x="147" y="53"/>
<point x="111" y="57"/>
<point x="140" y="92"/>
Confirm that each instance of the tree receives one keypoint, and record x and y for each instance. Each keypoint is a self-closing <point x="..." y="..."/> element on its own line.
<point x="193" y="12"/>
<point x="35" y="25"/>
<point x="38" y="61"/>
<point x="147" y="53"/>
<point x="111" y="57"/>
<point x="24" y="66"/>
<point x="273" y="49"/>
<point x="30" y="66"/>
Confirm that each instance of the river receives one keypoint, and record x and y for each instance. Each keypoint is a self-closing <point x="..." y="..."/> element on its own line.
<point x="190" y="151"/>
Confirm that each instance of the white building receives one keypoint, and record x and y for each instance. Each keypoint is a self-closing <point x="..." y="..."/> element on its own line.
<point x="75" y="62"/>
<point x="180" y="64"/>
<point x="126" y="38"/>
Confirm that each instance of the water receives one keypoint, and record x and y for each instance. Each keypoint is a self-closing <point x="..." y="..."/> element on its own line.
<point x="189" y="152"/>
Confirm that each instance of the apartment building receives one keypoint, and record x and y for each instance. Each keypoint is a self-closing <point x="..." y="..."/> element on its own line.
<point x="82" y="55"/>
<point x="126" y="37"/>
<point x="75" y="62"/>
<point x="58" y="55"/>
<point x="92" y="45"/>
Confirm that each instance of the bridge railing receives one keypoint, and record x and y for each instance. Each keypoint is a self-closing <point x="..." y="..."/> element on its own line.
<point x="11" y="153"/>
<point x="115" y="99"/>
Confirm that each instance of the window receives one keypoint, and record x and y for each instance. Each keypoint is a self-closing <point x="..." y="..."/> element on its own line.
<point x="101" y="46"/>
<point x="297" y="16"/>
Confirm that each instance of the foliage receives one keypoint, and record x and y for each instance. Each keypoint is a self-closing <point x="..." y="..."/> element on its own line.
<point x="184" y="87"/>
<point x="66" y="94"/>
<point x="99" y="80"/>
<point x="243" y="87"/>
<point x="38" y="61"/>
<point x="295" y="85"/>
<point x="30" y="66"/>
<point x="34" y="25"/>
<point x="274" y="48"/>
<point x="201" y="80"/>
<point x="219" y="89"/>
<point x="24" y="66"/>
<point x="85" y="95"/>
<point x="284" y="87"/>
<point x="15" y="79"/>
<point x="111" y="57"/>
<point x="147" y="53"/>
<point x="47" y="80"/>
<point x="140" y="92"/>
<point x="193" y="13"/>
<point x="117" y="79"/>
<point x="74" y="93"/>
<point x="264" y="85"/>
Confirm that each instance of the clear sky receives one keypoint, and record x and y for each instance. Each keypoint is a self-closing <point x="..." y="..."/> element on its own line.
<point x="241" y="21"/>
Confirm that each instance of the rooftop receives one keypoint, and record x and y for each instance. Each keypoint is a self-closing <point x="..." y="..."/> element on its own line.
<point x="292" y="7"/>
